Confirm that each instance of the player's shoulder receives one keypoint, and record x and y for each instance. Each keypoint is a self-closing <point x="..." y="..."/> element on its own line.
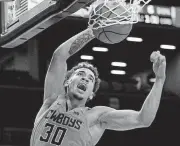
<point x="94" y="114"/>
<point x="49" y="104"/>
<point x="99" y="110"/>
<point x="51" y="101"/>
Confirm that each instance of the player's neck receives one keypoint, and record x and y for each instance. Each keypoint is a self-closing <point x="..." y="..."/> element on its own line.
<point x="74" y="103"/>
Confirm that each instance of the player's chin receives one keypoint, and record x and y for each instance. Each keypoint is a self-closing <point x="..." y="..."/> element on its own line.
<point x="79" y="95"/>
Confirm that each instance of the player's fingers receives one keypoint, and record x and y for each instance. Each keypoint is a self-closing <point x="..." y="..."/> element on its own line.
<point x="158" y="52"/>
<point x="162" y="59"/>
<point x="159" y="57"/>
<point x="156" y="60"/>
<point x="154" y="57"/>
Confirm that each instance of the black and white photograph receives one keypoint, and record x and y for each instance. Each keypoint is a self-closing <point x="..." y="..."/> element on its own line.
<point x="89" y="72"/>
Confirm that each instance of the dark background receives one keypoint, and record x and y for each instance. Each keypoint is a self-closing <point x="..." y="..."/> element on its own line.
<point x="22" y="72"/>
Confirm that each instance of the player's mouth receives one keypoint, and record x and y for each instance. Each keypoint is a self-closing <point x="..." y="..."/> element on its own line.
<point x="82" y="86"/>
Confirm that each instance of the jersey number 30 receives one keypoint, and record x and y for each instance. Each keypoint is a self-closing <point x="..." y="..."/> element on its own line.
<point x="57" y="134"/>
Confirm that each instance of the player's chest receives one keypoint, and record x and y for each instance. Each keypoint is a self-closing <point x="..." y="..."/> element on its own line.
<point x="73" y="119"/>
<point x="96" y="133"/>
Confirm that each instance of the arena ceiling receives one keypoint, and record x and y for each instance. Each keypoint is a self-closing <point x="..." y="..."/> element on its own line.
<point x="134" y="54"/>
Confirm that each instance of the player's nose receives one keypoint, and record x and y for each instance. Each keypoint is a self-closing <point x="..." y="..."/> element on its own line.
<point x="84" y="79"/>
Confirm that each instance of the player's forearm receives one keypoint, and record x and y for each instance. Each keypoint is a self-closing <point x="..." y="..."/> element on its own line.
<point x="74" y="44"/>
<point x="151" y="104"/>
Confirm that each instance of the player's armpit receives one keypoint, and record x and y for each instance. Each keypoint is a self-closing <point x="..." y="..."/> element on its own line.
<point x="121" y="120"/>
<point x="46" y="104"/>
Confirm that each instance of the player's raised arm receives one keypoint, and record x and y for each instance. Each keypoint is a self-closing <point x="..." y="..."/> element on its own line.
<point x="129" y="119"/>
<point x="57" y="69"/>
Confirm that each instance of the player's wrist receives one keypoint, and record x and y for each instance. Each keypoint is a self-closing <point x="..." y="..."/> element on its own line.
<point x="160" y="79"/>
<point x="91" y="32"/>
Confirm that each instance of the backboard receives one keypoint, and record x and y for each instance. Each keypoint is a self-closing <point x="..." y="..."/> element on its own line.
<point x="23" y="19"/>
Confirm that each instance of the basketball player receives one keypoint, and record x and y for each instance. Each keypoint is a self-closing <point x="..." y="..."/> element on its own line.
<point x="63" y="119"/>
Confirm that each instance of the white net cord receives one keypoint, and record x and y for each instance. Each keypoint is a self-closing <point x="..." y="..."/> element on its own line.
<point x="128" y="16"/>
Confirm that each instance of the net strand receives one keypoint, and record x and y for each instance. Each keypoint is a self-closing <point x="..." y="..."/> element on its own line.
<point x="99" y="20"/>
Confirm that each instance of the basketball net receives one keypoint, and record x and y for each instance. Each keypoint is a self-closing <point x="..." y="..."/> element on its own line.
<point x="128" y="16"/>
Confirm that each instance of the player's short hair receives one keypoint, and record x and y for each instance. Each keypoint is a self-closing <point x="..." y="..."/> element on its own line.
<point x="88" y="66"/>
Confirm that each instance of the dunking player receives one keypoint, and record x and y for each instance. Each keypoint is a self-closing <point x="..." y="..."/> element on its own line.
<point x="64" y="120"/>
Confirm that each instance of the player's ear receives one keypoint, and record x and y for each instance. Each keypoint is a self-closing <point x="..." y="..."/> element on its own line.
<point x="66" y="83"/>
<point x="91" y="96"/>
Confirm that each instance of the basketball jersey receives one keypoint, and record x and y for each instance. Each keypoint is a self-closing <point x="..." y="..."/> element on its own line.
<point x="59" y="127"/>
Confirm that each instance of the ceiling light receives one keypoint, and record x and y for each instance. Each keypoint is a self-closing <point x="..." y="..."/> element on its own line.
<point x="120" y="64"/>
<point x="87" y="57"/>
<point x="100" y="49"/>
<point x="134" y="39"/>
<point x="152" y="80"/>
<point x="118" y="72"/>
<point x="170" y="47"/>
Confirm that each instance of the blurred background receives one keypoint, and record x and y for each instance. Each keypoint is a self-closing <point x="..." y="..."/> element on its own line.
<point x="125" y="70"/>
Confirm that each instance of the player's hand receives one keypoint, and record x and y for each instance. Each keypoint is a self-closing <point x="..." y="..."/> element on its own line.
<point x="159" y="65"/>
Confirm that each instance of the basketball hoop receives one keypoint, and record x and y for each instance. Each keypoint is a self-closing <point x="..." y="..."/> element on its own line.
<point x="99" y="19"/>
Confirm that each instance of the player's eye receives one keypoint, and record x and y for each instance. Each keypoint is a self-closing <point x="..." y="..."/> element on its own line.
<point x="91" y="79"/>
<point x="79" y="73"/>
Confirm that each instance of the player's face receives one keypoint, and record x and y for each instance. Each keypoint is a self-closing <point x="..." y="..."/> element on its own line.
<point x="82" y="83"/>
